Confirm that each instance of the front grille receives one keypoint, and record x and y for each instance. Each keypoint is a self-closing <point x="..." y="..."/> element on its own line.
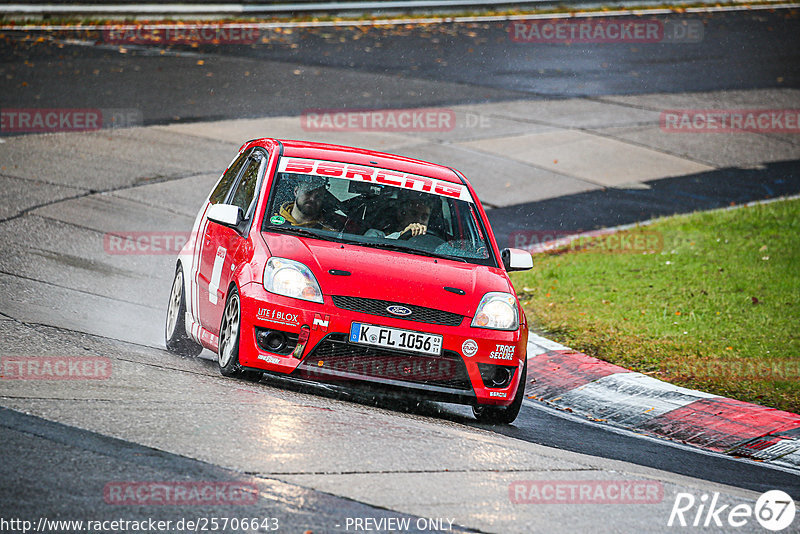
<point x="378" y="307"/>
<point x="335" y="354"/>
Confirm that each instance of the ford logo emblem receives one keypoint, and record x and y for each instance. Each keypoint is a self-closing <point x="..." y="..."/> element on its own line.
<point x="398" y="310"/>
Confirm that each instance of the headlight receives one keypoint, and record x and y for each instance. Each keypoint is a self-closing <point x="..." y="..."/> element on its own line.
<point x="497" y="311"/>
<point x="291" y="279"/>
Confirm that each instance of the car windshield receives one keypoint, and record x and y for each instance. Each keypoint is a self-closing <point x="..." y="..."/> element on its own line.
<point x="377" y="208"/>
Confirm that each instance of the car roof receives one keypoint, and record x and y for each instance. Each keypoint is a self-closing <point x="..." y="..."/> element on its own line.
<point x="361" y="156"/>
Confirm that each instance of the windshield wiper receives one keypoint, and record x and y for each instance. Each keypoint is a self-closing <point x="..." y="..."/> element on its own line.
<point x="387" y="246"/>
<point x="299" y="230"/>
<point x="400" y="248"/>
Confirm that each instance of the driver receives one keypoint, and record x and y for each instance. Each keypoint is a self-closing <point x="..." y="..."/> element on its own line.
<point x="413" y="219"/>
<point x="306" y="208"/>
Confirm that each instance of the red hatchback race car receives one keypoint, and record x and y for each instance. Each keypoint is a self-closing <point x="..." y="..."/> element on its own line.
<point x="338" y="264"/>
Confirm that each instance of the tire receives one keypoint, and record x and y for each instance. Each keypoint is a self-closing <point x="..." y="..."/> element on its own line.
<point x="504" y="415"/>
<point x="176" y="338"/>
<point x="229" y="336"/>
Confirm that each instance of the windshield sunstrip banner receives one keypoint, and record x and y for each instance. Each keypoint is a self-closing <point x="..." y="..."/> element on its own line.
<point x="364" y="173"/>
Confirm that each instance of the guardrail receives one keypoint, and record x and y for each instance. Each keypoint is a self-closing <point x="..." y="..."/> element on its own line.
<point x="254" y="8"/>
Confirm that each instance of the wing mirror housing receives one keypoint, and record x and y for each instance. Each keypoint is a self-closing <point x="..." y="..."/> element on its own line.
<point x="226" y="215"/>
<point x="515" y="259"/>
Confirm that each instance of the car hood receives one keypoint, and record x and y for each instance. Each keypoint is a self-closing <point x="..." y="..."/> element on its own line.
<point x="390" y="275"/>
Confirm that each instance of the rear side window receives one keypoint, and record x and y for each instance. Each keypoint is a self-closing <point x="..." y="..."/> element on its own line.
<point x="245" y="191"/>
<point x="224" y="186"/>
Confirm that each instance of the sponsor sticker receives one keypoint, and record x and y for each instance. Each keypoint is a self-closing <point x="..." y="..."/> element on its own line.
<point x="216" y="274"/>
<point x="469" y="348"/>
<point x="274" y="315"/>
<point x="321" y="322"/>
<point x="269" y="359"/>
<point x="208" y="337"/>
<point x="365" y="173"/>
<point x="502" y="352"/>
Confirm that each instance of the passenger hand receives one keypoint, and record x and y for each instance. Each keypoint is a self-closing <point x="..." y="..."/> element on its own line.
<point x="415" y="229"/>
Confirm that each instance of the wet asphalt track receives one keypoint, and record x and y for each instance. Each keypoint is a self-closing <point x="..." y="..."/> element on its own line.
<point x="59" y="272"/>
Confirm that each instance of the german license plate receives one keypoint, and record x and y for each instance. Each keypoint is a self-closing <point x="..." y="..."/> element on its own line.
<point x="395" y="338"/>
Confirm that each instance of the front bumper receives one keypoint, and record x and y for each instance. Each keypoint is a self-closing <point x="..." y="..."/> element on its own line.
<point x="328" y="356"/>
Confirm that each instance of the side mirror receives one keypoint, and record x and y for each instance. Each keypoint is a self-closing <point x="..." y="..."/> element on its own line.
<point x="515" y="259"/>
<point x="226" y="215"/>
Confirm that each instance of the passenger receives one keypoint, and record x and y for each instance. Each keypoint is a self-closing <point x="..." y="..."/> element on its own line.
<point x="413" y="219"/>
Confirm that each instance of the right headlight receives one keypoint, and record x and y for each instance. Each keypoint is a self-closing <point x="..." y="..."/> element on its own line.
<point x="291" y="279"/>
<point x="497" y="311"/>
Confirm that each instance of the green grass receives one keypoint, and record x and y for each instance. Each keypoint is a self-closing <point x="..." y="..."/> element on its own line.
<point x="718" y="309"/>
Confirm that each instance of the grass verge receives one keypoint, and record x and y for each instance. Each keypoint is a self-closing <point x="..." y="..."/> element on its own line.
<point x="711" y="301"/>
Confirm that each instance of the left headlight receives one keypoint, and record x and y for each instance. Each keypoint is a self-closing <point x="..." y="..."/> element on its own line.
<point x="291" y="279"/>
<point x="497" y="311"/>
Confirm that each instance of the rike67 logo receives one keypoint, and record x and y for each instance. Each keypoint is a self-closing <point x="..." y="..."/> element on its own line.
<point x="774" y="510"/>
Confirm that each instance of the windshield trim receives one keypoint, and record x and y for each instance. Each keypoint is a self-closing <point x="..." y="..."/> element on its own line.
<point x="339" y="236"/>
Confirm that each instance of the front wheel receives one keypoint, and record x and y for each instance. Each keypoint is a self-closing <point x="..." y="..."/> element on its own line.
<point x="229" y="335"/>
<point x="177" y="340"/>
<point x="504" y="415"/>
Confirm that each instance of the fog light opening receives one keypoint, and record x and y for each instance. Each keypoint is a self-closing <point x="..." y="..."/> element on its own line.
<point x="275" y="341"/>
<point x="501" y="378"/>
<point x="496" y="376"/>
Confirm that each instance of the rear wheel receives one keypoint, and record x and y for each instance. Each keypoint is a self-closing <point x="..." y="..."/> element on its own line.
<point x="229" y="335"/>
<point x="177" y="340"/>
<point x="504" y="415"/>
